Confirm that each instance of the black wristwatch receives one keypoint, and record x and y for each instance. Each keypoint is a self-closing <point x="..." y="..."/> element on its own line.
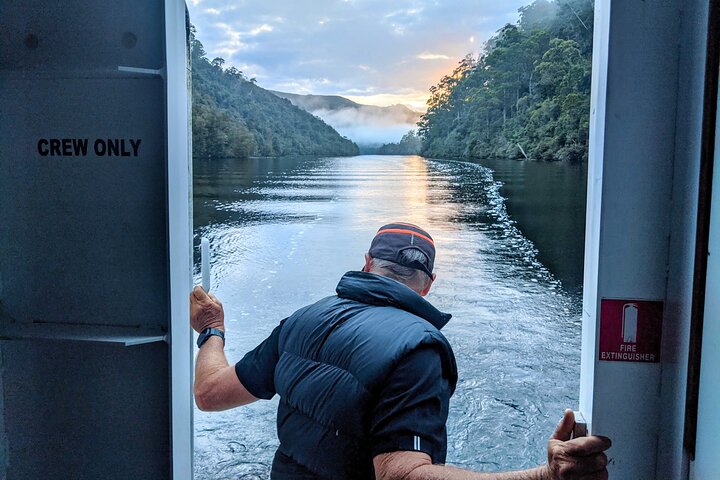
<point x="209" y="332"/>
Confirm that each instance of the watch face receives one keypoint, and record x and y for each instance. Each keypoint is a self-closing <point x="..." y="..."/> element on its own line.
<point x="203" y="336"/>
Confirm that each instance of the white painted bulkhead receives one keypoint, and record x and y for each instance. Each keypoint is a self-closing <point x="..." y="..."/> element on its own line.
<point x="95" y="248"/>
<point x="643" y="180"/>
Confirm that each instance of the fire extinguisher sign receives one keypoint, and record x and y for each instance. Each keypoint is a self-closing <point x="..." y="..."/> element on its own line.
<point x="630" y="330"/>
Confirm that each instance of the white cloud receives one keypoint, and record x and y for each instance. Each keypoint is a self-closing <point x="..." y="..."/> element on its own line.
<point x="302" y="86"/>
<point x="231" y="43"/>
<point x="432" y="56"/>
<point x="260" y="29"/>
<point x="397" y="28"/>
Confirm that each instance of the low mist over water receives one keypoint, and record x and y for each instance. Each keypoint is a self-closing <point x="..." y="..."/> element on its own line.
<point x="368" y="125"/>
<point x="282" y="233"/>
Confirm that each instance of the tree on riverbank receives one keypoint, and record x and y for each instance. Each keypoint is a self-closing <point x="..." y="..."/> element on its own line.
<point x="527" y="94"/>
<point x="410" y="144"/>
<point x="233" y="117"/>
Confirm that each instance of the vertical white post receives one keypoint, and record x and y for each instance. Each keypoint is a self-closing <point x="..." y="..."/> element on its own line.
<point x="205" y="262"/>
<point x="180" y="238"/>
<point x="601" y="34"/>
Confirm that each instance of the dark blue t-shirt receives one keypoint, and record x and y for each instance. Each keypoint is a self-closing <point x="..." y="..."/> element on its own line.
<point x="410" y="413"/>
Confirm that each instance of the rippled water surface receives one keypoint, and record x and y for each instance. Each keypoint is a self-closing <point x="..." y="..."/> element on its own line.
<point x="283" y="231"/>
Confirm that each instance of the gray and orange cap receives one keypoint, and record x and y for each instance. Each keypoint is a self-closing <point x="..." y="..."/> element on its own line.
<point x="394" y="238"/>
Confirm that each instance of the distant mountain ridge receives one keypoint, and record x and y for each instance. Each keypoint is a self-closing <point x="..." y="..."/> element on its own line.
<point x="313" y="103"/>
<point x="369" y="126"/>
<point x="233" y="117"/>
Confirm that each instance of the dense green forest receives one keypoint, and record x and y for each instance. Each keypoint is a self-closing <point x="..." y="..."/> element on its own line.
<point x="233" y="117"/>
<point x="527" y="95"/>
<point x="410" y="144"/>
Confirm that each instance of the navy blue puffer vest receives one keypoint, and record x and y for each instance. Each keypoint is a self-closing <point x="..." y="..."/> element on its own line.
<point x="335" y="356"/>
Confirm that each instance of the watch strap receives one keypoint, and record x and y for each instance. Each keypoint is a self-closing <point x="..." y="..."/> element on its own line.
<point x="209" y="332"/>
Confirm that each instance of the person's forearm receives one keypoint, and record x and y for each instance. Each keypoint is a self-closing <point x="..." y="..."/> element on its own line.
<point x="417" y="466"/>
<point x="210" y="361"/>
<point x="443" y="472"/>
<point x="217" y="386"/>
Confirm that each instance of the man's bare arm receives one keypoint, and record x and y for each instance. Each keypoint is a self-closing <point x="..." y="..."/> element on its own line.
<point x="217" y="387"/>
<point x="580" y="458"/>
<point x="418" y="466"/>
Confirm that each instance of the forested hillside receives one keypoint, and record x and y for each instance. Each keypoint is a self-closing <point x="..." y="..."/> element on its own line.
<point x="528" y="92"/>
<point x="317" y="102"/>
<point x="233" y="117"/>
<point x="409" y="144"/>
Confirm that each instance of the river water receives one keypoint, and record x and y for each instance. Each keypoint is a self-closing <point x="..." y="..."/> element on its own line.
<point x="283" y="231"/>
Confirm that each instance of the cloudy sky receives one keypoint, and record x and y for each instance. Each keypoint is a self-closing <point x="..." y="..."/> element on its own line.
<point x="377" y="52"/>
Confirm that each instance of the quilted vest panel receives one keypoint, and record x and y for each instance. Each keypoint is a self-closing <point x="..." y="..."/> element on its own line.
<point x="335" y="357"/>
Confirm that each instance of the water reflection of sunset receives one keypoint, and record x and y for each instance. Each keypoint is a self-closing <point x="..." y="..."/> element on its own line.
<point x="415" y="189"/>
<point x="401" y="189"/>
